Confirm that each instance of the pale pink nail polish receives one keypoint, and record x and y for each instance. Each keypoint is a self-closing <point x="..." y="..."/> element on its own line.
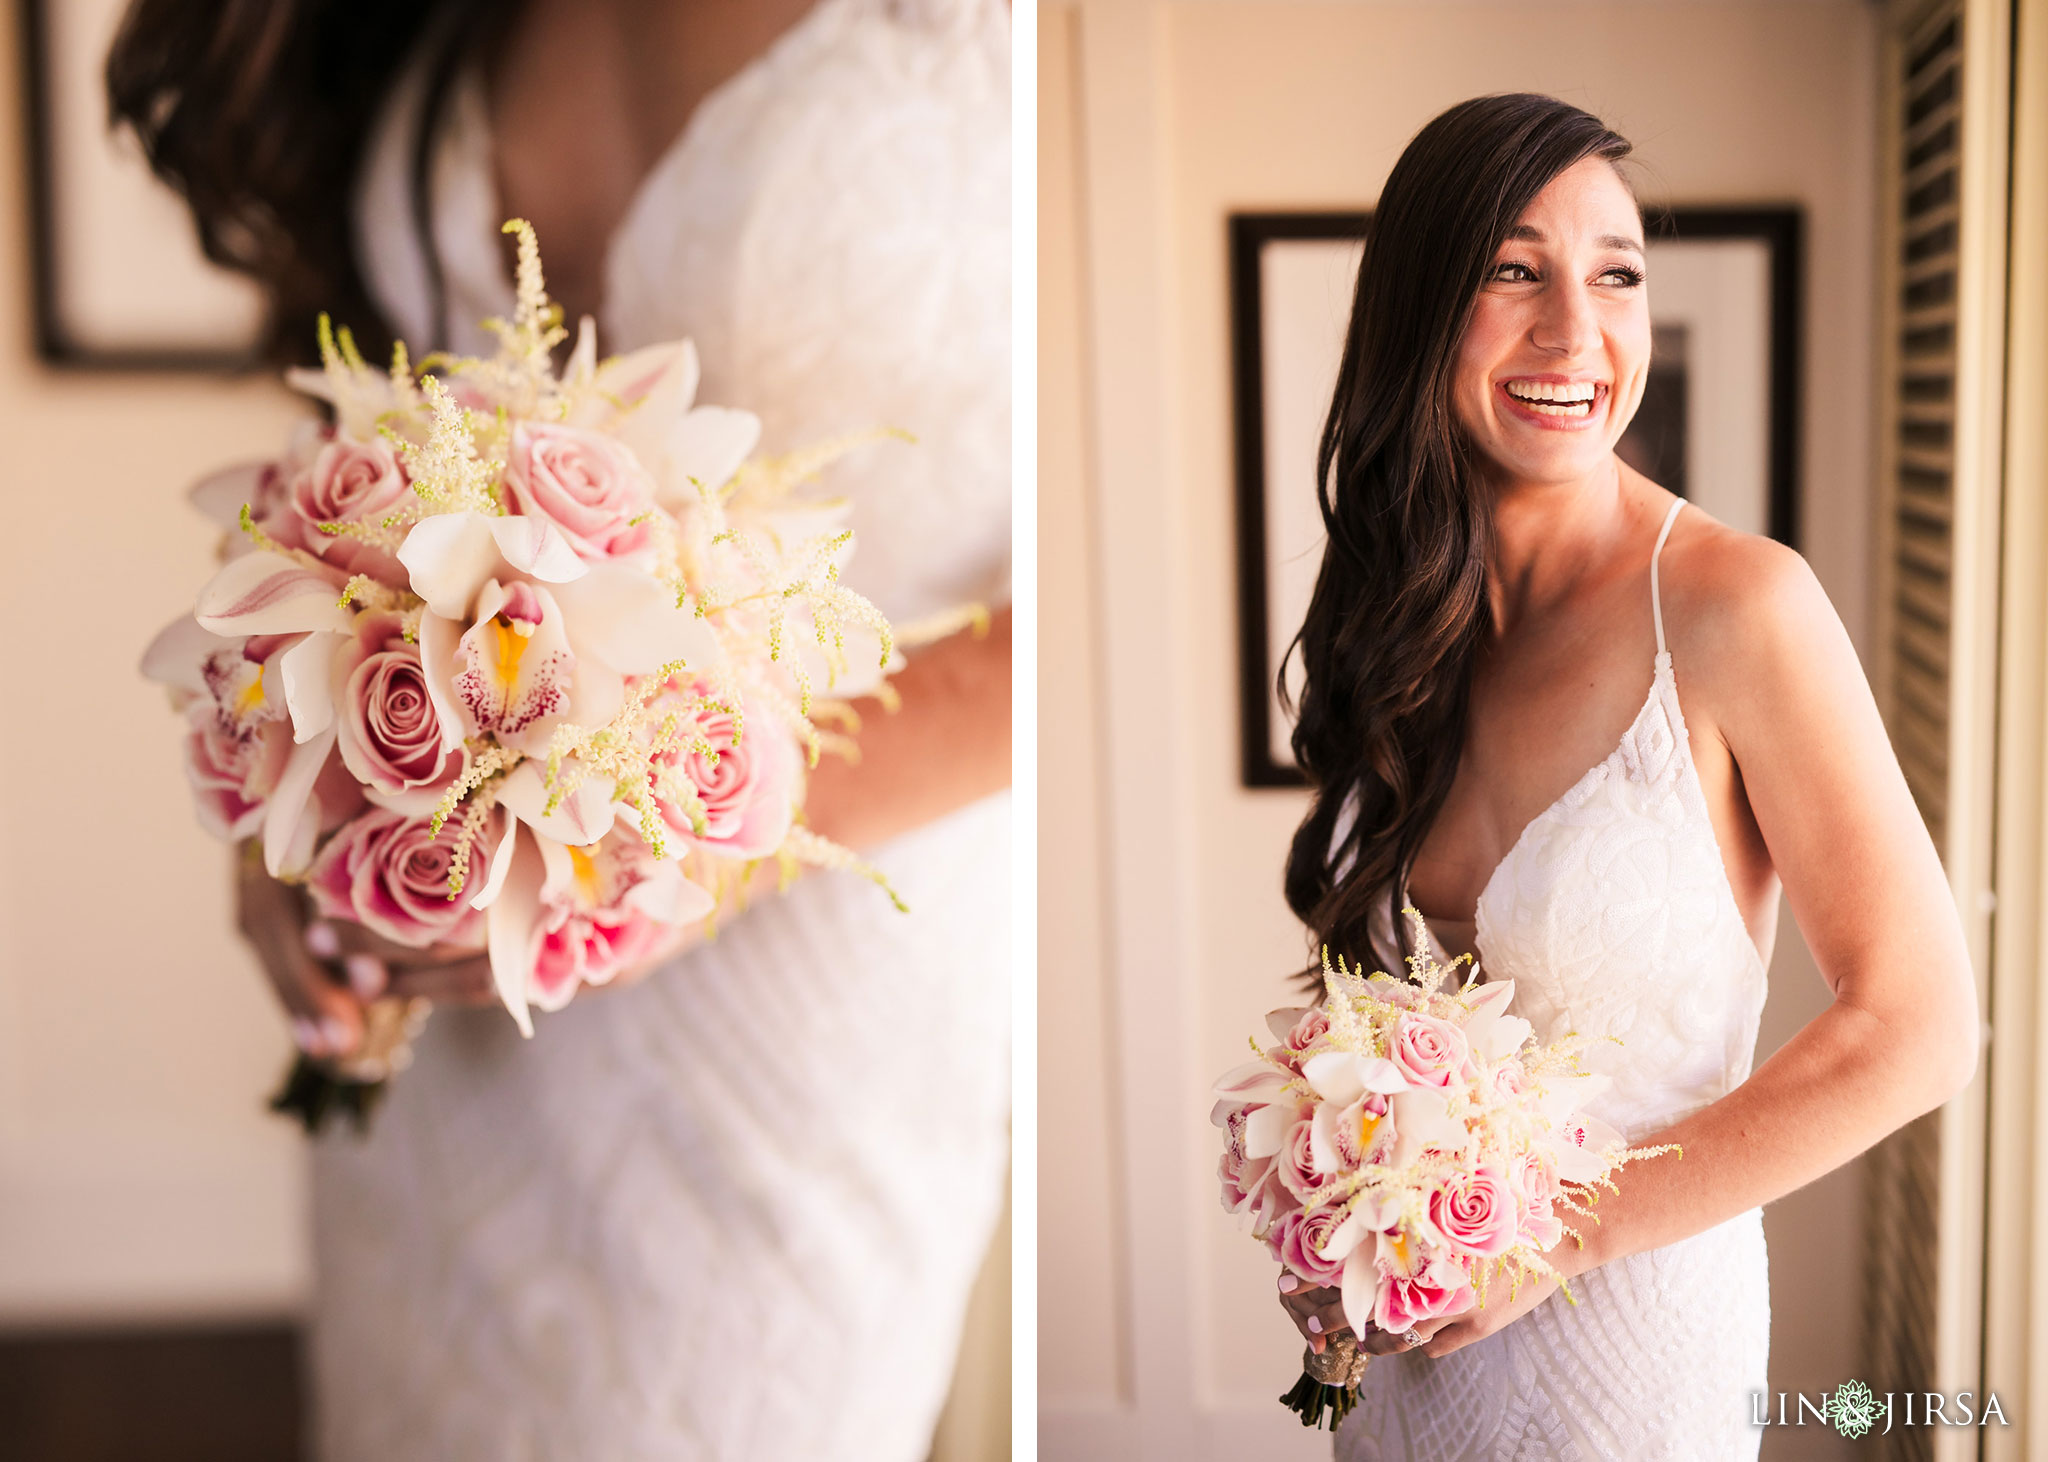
<point x="1288" y="1283"/>
<point x="366" y="975"/>
<point x="322" y="942"/>
<point x="306" y="1035"/>
<point x="1315" y="1324"/>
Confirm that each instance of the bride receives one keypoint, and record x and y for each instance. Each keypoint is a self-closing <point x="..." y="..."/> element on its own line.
<point x="734" y="1210"/>
<point x="1492" y="717"/>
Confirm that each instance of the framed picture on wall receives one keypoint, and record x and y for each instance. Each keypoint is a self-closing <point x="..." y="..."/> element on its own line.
<point x="118" y="277"/>
<point x="1717" y="424"/>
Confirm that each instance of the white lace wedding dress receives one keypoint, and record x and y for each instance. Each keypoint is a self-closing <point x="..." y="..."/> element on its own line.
<point x="1612" y="913"/>
<point x="734" y="1211"/>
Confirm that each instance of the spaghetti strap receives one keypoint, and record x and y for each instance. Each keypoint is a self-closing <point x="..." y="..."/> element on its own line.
<point x="1656" y="602"/>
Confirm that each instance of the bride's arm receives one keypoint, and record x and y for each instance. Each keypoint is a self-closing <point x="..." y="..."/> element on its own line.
<point x="948" y="746"/>
<point x="1772" y="665"/>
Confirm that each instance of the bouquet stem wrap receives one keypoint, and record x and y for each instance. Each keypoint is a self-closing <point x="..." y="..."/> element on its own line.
<point x="1329" y="1382"/>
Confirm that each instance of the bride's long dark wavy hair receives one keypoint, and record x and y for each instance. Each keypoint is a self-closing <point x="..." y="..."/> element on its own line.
<point x="1400" y="602"/>
<point x="258" y="111"/>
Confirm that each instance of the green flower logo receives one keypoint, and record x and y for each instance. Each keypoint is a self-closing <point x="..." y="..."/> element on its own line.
<point x="1852" y="1409"/>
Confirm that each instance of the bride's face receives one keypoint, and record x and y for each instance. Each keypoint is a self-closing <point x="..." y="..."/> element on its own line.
<point x="1552" y="366"/>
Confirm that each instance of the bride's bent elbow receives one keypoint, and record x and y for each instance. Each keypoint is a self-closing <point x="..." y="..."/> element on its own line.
<point x="1941" y="1059"/>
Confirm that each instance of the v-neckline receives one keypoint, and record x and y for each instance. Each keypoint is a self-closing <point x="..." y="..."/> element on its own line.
<point x="692" y="127"/>
<point x="1660" y="669"/>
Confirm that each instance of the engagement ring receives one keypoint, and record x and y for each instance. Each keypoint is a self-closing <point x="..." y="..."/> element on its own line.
<point x="1412" y="1336"/>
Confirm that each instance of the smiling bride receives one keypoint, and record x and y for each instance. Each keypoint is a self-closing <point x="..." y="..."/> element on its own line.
<point x="1493" y="722"/>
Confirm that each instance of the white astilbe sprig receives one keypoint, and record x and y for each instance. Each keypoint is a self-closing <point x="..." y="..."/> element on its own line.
<point x="803" y="846"/>
<point x="788" y="590"/>
<point x="768" y="482"/>
<point x="947" y="622"/>
<point x="801" y="724"/>
<point x="366" y="594"/>
<point x="659" y="719"/>
<point x="449" y="474"/>
<point x="520" y="378"/>
<point x="487" y="762"/>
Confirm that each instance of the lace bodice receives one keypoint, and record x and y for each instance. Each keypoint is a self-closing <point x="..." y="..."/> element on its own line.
<point x="1613" y="915"/>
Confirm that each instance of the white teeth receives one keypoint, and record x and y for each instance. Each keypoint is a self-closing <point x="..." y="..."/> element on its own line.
<point x="1572" y="391"/>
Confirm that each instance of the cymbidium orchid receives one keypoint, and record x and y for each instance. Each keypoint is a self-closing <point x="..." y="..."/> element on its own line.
<point x="1411" y="1143"/>
<point x="524" y="656"/>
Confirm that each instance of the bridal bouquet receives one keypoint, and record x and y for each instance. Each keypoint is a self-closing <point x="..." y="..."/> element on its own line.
<point x="518" y="660"/>
<point x="1412" y="1146"/>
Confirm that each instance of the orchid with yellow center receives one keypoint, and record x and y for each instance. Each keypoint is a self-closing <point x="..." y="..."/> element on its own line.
<point x="562" y="915"/>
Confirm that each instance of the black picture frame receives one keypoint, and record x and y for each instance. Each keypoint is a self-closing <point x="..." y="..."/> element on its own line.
<point x="57" y="344"/>
<point x="1779" y="228"/>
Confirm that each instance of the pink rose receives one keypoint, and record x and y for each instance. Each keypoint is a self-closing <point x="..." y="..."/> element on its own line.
<point x="387" y="872"/>
<point x="387" y="730"/>
<point x="350" y="482"/>
<point x="1511" y="1080"/>
<point x="1429" y="1051"/>
<point x="1477" y="1212"/>
<point x="234" y="772"/>
<point x="266" y="490"/>
<point x="1312" y="1027"/>
<point x="585" y="483"/>
<point x="1296" y="1162"/>
<point x="749" y="788"/>
<point x="1440" y="1288"/>
<point x="1298" y="1240"/>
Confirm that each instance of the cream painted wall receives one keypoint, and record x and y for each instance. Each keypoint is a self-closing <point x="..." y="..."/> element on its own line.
<point x="139" y="1173"/>
<point x="1162" y="929"/>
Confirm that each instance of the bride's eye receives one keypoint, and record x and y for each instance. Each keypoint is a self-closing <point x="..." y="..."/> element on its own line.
<point x="1623" y="275"/>
<point x="1513" y="271"/>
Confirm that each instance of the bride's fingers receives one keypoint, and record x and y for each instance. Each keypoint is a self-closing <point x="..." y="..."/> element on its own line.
<point x="347" y="939"/>
<point x="326" y="1019"/>
<point x="1317" y="1313"/>
<point x="1379" y="1342"/>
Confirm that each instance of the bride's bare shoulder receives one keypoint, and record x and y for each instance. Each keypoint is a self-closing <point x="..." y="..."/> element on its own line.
<point x="1744" y="615"/>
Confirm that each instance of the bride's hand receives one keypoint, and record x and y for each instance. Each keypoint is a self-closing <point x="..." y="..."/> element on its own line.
<point x="1461" y="1330"/>
<point x="326" y="973"/>
<point x="1318" y="1313"/>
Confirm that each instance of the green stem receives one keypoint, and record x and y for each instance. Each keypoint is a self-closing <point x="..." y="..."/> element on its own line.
<point x="315" y="1095"/>
<point x="1310" y="1398"/>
